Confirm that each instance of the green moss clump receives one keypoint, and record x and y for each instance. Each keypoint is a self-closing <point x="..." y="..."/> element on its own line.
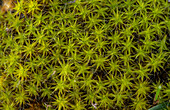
<point x="84" y="54"/>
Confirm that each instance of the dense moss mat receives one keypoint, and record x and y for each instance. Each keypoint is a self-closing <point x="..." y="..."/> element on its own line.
<point x="85" y="54"/>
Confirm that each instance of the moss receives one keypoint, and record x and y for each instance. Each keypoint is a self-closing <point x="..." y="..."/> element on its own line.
<point x="94" y="54"/>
